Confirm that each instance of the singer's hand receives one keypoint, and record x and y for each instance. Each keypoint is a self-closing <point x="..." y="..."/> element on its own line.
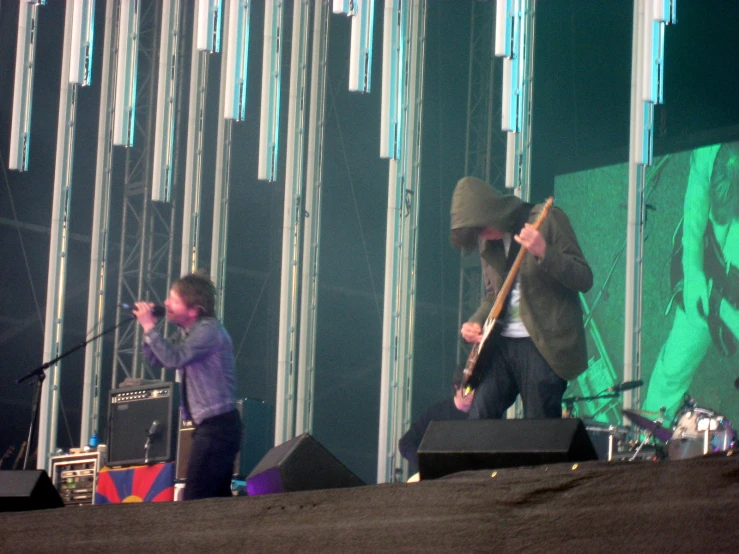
<point x="471" y="332"/>
<point x="143" y="313"/>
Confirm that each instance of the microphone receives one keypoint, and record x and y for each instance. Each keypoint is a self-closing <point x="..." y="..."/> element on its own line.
<point x="149" y="439"/>
<point x="156" y="311"/>
<point x="153" y="429"/>
<point x="628" y="385"/>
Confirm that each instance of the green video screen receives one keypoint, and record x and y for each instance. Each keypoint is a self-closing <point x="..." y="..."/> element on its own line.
<point x="690" y="284"/>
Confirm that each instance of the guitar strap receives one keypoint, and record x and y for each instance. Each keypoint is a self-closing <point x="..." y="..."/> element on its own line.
<point x="522" y="217"/>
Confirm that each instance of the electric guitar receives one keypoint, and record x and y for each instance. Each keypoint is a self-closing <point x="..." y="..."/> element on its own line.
<point x="492" y="323"/>
<point x="722" y="278"/>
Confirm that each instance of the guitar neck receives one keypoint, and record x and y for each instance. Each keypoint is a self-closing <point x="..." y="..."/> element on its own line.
<point x="511" y="277"/>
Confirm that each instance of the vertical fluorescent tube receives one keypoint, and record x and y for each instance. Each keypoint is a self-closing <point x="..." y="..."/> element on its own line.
<point x="649" y="53"/>
<point x="209" y="25"/>
<point x="503" y="14"/>
<point x="360" y="55"/>
<point x="163" y="154"/>
<point x="237" y="60"/>
<point x="393" y="65"/>
<point x="83" y="30"/>
<point x="511" y="48"/>
<point x="25" y="57"/>
<point x="269" y="121"/>
<point x="665" y="11"/>
<point x="126" y="70"/>
<point x="342" y="6"/>
<point x="658" y="43"/>
<point x="509" y="108"/>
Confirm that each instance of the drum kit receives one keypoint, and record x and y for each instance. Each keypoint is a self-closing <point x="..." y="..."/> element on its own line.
<point x="694" y="432"/>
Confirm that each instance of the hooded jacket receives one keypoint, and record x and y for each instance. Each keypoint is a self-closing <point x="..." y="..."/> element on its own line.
<point x="550" y="304"/>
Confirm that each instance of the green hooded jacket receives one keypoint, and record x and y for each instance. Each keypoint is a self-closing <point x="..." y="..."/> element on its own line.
<point x="550" y="304"/>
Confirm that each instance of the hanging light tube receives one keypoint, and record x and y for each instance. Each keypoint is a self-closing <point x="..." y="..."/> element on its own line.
<point x="346" y="7"/>
<point x="209" y="25"/>
<point x="237" y="60"/>
<point x="665" y="11"/>
<point x="25" y="58"/>
<point x="162" y="160"/>
<point x="360" y="55"/>
<point x="269" y="121"/>
<point x="124" y="114"/>
<point x="393" y="86"/>
<point x="83" y="31"/>
<point x="504" y="28"/>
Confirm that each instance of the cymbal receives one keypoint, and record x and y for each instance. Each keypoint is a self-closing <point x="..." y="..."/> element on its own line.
<point x="643" y="419"/>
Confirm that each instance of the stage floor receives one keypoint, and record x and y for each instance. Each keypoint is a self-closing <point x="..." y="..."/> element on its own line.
<point x="666" y="506"/>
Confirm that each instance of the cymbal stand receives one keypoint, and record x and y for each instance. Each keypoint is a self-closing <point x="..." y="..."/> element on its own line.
<point x="649" y="434"/>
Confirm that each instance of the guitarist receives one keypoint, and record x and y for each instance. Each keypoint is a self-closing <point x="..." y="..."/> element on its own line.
<point x="539" y="343"/>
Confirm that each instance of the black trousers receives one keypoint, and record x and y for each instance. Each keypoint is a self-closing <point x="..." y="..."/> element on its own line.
<point x="516" y="367"/>
<point x="215" y="443"/>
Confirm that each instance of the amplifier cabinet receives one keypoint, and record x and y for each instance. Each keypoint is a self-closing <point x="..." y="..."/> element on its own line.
<point x="256" y="440"/>
<point x="140" y="425"/>
<point x="75" y="477"/>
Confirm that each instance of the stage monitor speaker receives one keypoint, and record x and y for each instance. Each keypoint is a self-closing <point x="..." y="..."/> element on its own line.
<point x="472" y="444"/>
<point x="22" y="490"/>
<point x="299" y="464"/>
<point x="133" y="414"/>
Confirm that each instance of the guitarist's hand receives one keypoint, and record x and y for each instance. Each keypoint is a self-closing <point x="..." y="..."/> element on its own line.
<point x="695" y="293"/>
<point x="472" y="332"/>
<point x="531" y="239"/>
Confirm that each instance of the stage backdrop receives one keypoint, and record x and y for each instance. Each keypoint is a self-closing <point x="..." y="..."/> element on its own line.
<point x="596" y="203"/>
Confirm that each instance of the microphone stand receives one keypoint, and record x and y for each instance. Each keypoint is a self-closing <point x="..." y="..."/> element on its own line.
<point x="40" y="374"/>
<point x="147" y="446"/>
<point x="570" y="400"/>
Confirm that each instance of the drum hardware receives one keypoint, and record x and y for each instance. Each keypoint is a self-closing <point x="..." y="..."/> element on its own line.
<point x="652" y="428"/>
<point x="650" y="421"/>
<point x="609" y="441"/>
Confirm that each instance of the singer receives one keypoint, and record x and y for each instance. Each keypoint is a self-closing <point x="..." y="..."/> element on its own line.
<point x="202" y="353"/>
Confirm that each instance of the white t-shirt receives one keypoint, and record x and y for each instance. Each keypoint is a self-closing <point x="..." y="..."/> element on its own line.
<point x="512" y="326"/>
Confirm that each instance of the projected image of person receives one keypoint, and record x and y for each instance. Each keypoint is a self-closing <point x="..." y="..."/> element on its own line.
<point x="706" y="276"/>
<point x="452" y="408"/>
<point x="202" y="352"/>
<point x="541" y="343"/>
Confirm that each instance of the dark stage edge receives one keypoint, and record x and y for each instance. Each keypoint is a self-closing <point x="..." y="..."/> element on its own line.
<point x="669" y="506"/>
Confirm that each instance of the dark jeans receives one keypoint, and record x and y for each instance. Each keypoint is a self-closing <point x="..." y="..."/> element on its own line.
<point x="215" y="443"/>
<point x="516" y="367"/>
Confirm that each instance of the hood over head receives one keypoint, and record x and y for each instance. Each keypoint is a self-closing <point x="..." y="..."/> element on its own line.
<point x="477" y="205"/>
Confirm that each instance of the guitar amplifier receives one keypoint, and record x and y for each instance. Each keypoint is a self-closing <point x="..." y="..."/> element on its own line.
<point x="256" y="440"/>
<point x="140" y="425"/>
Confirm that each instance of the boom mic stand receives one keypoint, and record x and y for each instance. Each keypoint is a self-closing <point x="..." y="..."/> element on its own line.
<point x="40" y="374"/>
<point x="570" y="401"/>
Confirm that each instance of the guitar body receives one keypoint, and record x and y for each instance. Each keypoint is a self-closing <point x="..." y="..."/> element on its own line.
<point x="481" y="352"/>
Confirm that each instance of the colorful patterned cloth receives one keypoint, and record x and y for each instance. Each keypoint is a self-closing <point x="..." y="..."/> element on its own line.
<point x="152" y="483"/>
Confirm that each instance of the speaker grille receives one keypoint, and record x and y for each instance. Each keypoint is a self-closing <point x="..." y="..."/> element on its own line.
<point x="132" y="412"/>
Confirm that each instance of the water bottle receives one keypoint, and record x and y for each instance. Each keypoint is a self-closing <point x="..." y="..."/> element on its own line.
<point x="93" y="441"/>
